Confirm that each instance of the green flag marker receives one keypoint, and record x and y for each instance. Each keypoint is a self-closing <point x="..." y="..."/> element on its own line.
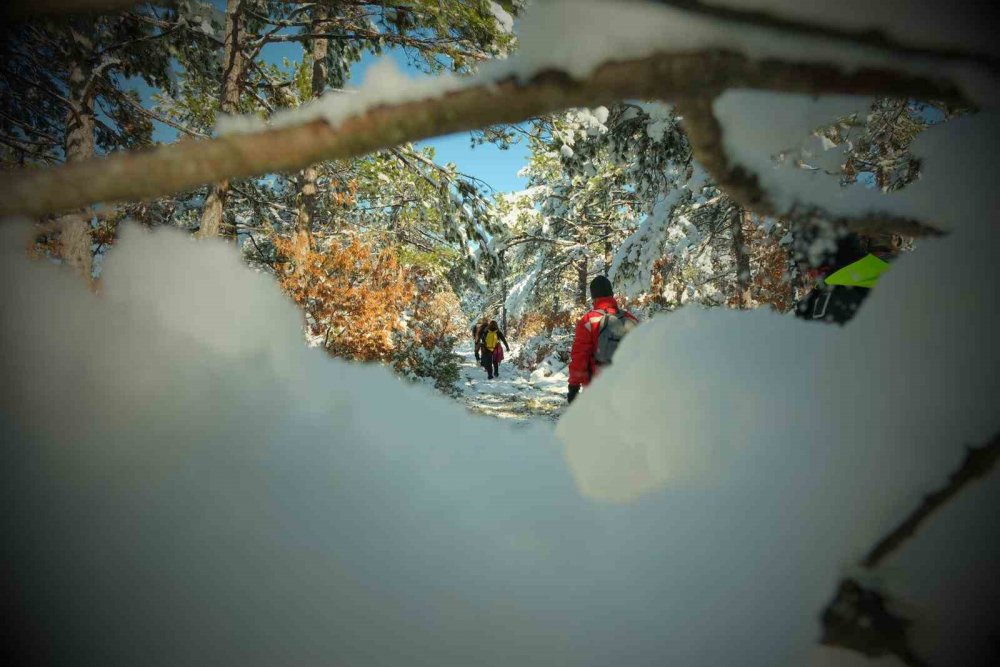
<point x="863" y="273"/>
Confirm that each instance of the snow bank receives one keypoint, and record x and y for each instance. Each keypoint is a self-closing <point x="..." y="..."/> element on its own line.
<point x="189" y="484"/>
<point x="185" y="482"/>
<point x="852" y="425"/>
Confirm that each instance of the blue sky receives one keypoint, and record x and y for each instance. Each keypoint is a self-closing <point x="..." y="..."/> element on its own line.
<point x="496" y="167"/>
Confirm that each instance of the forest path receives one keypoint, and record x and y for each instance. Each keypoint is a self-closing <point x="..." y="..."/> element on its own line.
<point x="516" y="394"/>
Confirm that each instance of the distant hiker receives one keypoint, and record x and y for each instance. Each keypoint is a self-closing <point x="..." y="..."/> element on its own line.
<point x="490" y="350"/>
<point x="597" y="336"/>
<point x="840" y="285"/>
<point x="477" y="330"/>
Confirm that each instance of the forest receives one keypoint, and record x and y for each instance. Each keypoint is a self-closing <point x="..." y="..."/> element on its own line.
<point x="251" y="248"/>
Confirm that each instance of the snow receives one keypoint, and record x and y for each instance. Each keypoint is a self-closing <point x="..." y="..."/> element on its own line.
<point x="660" y="119"/>
<point x="514" y="394"/>
<point x="385" y="84"/>
<point x="204" y="483"/>
<point x="504" y="20"/>
<point x="620" y="30"/>
<point x="604" y="31"/>
<point x="188" y="483"/>
<point x="522" y="289"/>
<point x="758" y="125"/>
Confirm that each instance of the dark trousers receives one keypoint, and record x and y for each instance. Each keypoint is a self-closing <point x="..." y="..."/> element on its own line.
<point x="836" y="304"/>
<point x="492" y="367"/>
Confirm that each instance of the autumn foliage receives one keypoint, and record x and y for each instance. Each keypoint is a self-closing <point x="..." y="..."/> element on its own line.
<point x="362" y="304"/>
<point x="353" y="295"/>
<point x="540" y="322"/>
<point x="770" y="283"/>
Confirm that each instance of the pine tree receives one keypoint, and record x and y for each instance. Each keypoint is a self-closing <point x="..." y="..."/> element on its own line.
<point x="66" y="94"/>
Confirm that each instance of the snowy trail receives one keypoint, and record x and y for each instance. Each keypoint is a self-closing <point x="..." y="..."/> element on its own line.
<point x="515" y="394"/>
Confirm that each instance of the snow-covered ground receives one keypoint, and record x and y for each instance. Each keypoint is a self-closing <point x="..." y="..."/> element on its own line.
<point x="516" y="394"/>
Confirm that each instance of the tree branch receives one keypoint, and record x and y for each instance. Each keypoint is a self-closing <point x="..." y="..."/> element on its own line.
<point x="857" y="618"/>
<point x="149" y="113"/>
<point x="978" y="462"/>
<point x="705" y="135"/>
<point x="869" y="38"/>
<point x="676" y="77"/>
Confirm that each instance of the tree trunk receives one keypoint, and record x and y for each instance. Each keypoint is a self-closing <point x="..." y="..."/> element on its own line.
<point x="80" y="118"/>
<point x="581" y="281"/>
<point x="74" y="236"/>
<point x="229" y="102"/>
<point x="503" y="289"/>
<point x="742" y="256"/>
<point x="308" y="194"/>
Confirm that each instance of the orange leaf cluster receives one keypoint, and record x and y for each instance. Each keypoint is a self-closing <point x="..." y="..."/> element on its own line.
<point x="435" y="316"/>
<point x="770" y="284"/>
<point x="354" y="296"/>
<point x="535" y="322"/>
<point x="343" y="194"/>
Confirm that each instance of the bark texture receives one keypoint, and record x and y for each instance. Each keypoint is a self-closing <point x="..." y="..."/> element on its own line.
<point x="581" y="282"/>
<point x="742" y="254"/>
<point x="308" y="191"/>
<point x="74" y="228"/>
<point x="229" y="103"/>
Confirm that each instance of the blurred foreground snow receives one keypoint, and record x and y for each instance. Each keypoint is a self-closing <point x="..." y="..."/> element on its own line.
<point x="185" y="482"/>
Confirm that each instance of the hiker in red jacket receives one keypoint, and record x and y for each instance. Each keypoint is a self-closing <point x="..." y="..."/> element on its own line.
<point x="584" y="358"/>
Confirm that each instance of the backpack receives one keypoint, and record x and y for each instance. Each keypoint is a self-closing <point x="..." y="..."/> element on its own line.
<point x="613" y="327"/>
<point x="491" y="340"/>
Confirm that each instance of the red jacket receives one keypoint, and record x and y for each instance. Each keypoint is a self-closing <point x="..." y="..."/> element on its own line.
<point x="582" y="368"/>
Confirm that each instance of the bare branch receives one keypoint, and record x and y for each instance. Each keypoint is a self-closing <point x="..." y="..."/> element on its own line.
<point x="978" y="462"/>
<point x="149" y="113"/>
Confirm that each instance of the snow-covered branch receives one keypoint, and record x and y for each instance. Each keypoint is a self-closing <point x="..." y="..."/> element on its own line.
<point x="743" y="186"/>
<point x="475" y="104"/>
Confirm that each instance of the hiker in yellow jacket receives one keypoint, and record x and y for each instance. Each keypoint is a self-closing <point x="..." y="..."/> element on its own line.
<point x="490" y="350"/>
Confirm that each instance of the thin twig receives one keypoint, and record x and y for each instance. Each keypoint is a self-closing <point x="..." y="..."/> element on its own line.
<point x="978" y="462"/>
